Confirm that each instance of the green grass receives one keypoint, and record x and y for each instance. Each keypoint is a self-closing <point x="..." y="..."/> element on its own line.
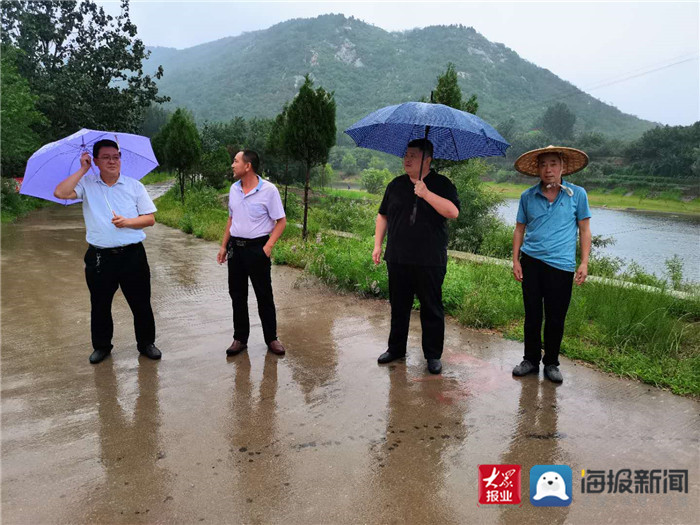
<point x="350" y="194"/>
<point x="13" y="205"/>
<point x="157" y="176"/>
<point x="648" y="336"/>
<point x="668" y="202"/>
<point x="203" y="214"/>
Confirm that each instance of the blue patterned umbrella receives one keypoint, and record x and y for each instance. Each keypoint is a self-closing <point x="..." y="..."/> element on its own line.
<point x="455" y="134"/>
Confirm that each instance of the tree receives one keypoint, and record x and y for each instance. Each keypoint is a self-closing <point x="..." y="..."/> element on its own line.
<point x="278" y="154"/>
<point x="558" y="121"/>
<point x="668" y="151"/>
<point x="232" y="135"/>
<point x="154" y="118"/>
<point x="21" y="122"/>
<point x="349" y="164"/>
<point x="182" y="146"/>
<point x="373" y="180"/>
<point x="325" y="175"/>
<point x="85" y="65"/>
<point x="215" y="166"/>
<point x="476" y="217"/>
<point x="310" y="131"/>
<point x="447" y="92"/>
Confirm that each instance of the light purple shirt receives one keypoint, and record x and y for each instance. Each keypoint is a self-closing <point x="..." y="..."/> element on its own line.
<point x="127" y="197"/>
<point x="255" y="214"/>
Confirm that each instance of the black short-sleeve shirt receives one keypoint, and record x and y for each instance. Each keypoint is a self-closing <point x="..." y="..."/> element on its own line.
<point x="424" y="243"/>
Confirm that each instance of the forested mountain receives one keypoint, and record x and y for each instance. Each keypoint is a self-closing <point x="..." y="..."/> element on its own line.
<point x="254" y="74"/>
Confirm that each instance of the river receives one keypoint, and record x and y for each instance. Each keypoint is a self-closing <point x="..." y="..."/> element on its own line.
<point x="648" y="238"/>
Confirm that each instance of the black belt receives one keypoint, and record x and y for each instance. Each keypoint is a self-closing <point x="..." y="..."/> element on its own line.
<point x="116" y="249"/>
<point x="241" y="242"/>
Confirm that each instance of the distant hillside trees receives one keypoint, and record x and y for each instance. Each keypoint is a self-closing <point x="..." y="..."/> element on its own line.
<point x="558" y="121"/>
<point x="667" y="151"/>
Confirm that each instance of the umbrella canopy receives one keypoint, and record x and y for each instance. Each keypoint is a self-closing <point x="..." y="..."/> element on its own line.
<point x="51" y="164"/>
<point x="455" y="134"/>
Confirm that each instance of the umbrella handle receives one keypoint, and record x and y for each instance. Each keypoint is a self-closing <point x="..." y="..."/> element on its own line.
<point x="412" y="220"/>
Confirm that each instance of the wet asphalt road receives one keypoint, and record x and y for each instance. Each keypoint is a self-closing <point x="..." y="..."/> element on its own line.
<point x="322" y="435"/>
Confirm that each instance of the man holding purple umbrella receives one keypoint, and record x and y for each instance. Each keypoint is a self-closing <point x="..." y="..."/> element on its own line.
<point x="116" y="210"/>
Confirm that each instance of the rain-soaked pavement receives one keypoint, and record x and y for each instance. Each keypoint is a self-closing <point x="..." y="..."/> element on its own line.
<point x="322" y="435"/>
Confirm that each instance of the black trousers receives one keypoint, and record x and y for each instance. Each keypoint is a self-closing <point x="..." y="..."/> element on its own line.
<point x="127" y="268"/>
<point x="405" y="282"/>
<point x="250" y="261"/>
<point x="544" y="285"/>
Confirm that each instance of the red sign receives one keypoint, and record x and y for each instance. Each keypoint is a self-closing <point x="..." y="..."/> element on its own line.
<point x="499" y="484"/>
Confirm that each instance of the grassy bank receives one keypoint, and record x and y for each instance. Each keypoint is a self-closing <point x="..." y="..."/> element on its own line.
<point x="648" y="336"/>
<point x="13" y="205"/>
<point x="158" y="176"/>
<point x="615" y="199"/>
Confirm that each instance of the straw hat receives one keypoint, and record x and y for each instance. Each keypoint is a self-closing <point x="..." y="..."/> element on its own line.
<point x="573" y="159"/>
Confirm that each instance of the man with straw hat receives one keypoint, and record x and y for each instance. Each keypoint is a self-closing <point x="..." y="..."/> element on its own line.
<point x="544" y="251"/>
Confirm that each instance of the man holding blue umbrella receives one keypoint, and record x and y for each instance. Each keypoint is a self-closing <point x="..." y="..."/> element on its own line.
<point x="116" y="210"/>
<point x="416" y="252"/>
<point x="416" y="207"/>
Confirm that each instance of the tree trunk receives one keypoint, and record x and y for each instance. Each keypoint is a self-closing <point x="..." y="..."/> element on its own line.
<point x="286" y="183"/>
<point x="181" y="183"/>
<point x="306" y="199"/>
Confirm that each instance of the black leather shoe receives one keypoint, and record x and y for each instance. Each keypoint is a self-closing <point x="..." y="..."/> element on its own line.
<point x="236" y="347"/>
<point x="552" y="373"/>
<point x="434" y="366"/>
<point x="388" y="357"/>
<point x="99" y="355"/>
<point x="151" y="351"/>
<point x="525" y="368"/>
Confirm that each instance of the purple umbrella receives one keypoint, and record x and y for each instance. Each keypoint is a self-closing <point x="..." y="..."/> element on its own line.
<point x="51" y="164"/>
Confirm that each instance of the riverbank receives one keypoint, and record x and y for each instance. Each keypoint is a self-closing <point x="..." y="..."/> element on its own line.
<point x="612" y="200"/>
<point x="649" y="336"/>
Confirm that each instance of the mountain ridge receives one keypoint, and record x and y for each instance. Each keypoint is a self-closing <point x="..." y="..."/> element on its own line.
<point x="253" y="74"/>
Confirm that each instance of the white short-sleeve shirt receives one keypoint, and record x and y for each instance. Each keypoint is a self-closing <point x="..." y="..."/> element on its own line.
<point x="255" y="214"/>
<point x="127" y="197"/>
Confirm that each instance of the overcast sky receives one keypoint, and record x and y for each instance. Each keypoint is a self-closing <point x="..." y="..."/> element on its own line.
<point x="641" y="57"/>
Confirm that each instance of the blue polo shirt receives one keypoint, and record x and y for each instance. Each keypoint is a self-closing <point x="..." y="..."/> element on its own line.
<point x="551" y="227"/>
<point x="128" y="198"/>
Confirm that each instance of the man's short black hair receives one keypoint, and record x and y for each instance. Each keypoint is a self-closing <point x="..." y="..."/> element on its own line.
<point x="422" y="145"/>
<point x="251" y="156"/>
<point x="104" y="143"/>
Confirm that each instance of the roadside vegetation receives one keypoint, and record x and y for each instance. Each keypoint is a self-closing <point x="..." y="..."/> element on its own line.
<point x="619" y="198"/>
<point x="649" y="336"/>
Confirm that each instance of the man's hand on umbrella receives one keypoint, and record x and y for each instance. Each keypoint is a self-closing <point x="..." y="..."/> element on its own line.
<point x="421" y="189"/>
<point x="121" y="222"/>
<point x="85" y="162"/>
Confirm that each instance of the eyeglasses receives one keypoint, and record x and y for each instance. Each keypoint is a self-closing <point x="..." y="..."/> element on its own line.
<point x="115" y="158"/>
